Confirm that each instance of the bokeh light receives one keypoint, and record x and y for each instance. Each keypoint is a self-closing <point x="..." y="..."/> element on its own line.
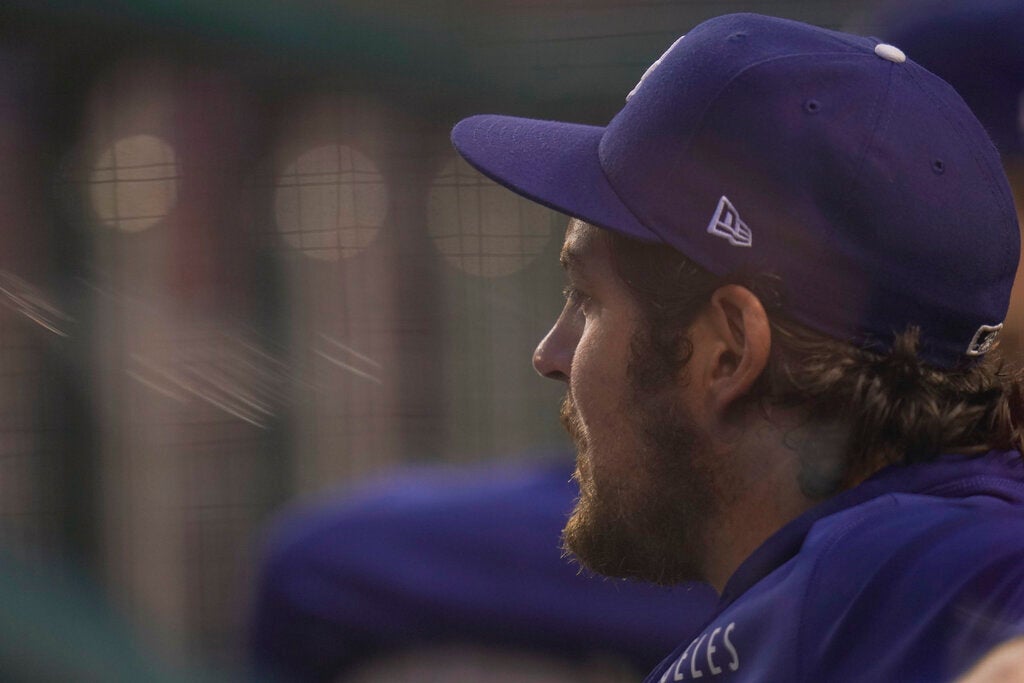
<point x="134" y="183"/>
<point x="330" y="202"/>
<point x="482" y="228"/>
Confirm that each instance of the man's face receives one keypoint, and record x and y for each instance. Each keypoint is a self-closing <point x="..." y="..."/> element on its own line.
<point x="646" y="485"/>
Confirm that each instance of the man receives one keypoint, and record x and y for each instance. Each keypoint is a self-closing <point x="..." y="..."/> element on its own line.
<point x="793" y="249"/>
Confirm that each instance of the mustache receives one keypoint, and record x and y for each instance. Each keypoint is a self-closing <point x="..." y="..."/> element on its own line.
<point x="570" y="418"/>
<point x="572" y="423"/>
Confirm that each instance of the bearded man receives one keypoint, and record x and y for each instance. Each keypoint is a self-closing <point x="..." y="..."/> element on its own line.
<point x="791" y="253"/>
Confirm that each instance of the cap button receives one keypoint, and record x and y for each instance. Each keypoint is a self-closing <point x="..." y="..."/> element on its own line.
<point x="890" y="52"/>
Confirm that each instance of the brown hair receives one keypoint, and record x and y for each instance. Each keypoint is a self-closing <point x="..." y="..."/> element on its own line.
<point x="895" y="408"/>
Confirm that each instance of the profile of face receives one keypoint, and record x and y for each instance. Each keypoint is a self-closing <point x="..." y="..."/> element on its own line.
<point x="647" y="481"/>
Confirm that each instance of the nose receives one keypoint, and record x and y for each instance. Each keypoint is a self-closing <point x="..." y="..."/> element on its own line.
<point x="553" y="356"/>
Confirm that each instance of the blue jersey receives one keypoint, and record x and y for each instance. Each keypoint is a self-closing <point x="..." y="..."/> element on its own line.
<point x="911" y="576"/>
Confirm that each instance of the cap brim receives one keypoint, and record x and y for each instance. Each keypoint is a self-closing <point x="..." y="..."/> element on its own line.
<point x="552" y="163"/>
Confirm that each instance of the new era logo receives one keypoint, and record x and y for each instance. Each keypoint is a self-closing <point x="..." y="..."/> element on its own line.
<point x="727" y="223"/>
<point x="984" y="340"/>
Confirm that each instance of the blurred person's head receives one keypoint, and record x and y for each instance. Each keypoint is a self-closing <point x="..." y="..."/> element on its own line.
<point x="793" y="251"/>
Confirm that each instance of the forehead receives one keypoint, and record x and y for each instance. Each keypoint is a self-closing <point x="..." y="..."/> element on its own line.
<point x="583" y="244"/>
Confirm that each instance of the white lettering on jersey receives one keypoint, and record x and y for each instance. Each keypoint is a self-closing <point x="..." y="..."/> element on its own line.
<point x="715" y="670"/>
<point x="677" y="673"/>
<point x="693" y="653"/>
<point x="693" y="660"/>
<point x="735" y="663"/>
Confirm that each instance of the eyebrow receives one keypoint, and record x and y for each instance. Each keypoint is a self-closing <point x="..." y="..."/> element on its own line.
<point x="573" y="254"/>
<point x="575" y="264"/>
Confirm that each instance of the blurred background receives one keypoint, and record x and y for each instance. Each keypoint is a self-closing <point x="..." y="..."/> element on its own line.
<point x="240" y="264"/>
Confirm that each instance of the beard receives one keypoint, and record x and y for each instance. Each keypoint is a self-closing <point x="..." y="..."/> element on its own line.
<point x="649" y="523"/>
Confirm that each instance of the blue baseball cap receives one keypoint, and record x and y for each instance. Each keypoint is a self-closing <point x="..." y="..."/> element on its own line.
<point x="758" y="144"/>
<point x="977" y="47"/>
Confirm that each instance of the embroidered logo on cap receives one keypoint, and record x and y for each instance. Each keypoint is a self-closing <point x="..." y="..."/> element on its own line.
<point x="652" y="67"/>
<point x="727" y="223"/>
<point x="984" y="339"/>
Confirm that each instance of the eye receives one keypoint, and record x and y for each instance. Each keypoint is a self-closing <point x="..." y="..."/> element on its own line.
<point x="576" y="298"/>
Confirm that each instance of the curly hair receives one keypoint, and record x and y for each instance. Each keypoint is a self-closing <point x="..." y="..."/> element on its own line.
<point x="896" y="409"/>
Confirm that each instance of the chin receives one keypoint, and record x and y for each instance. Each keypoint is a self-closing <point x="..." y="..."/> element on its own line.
<point x="609" y="538"/>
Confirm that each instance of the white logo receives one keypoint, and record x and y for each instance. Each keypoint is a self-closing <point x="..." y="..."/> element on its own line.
<point x="727" y="223"/>
<point x="984" y="339"/>
<point x="652" y="67"/>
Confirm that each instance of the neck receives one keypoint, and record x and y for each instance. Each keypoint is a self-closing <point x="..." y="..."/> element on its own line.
<point x="776" y="473"/>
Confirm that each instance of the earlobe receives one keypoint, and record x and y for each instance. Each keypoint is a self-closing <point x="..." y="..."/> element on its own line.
<point x="742" y="336"/>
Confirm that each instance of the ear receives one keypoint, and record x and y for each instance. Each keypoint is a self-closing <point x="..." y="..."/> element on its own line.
<point x="741" y="343"/>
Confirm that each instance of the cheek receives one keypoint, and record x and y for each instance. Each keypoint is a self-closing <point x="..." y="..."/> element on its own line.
<point x="598" y="379"/>
<point x="586" y="370"/>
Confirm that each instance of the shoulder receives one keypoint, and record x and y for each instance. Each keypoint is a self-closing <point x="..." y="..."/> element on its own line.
<point x="407" y="520"/>
<point x="914" y="584"/>
<point x="916" y="527"/>
<point x="896" y="535"/>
